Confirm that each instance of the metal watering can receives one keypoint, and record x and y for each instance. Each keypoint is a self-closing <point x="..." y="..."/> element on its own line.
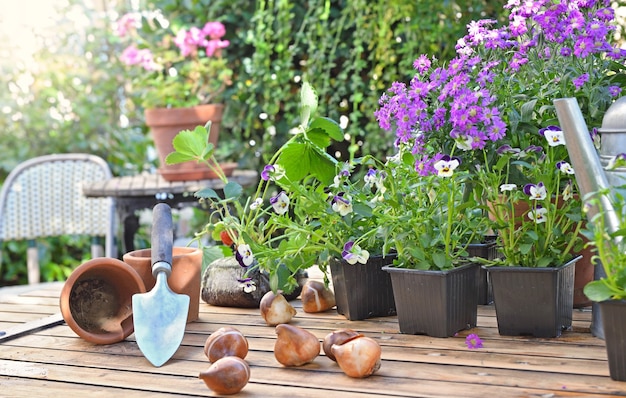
<point x="590" y="167"/>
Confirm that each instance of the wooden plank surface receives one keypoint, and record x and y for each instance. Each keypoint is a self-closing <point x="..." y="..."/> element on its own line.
<point x="55" y="361"/>
<point x="152" y="184"/>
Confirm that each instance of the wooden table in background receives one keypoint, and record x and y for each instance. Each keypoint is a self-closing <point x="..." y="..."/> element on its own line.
<point x="56" y="362"/>
<point x="143" y="191"/>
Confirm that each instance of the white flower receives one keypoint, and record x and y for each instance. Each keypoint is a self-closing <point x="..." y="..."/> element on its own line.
<point x="538" y="215"/>
<point x="446" y="166"/>
<point x="507" y="187"/>
<point x="256" y="203"/>
<point x="554" y="137"/>
<point x="280" y="203"/>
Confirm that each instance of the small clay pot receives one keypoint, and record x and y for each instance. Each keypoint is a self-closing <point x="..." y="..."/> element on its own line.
<point x="185" y="277"/>
<point x="96" y="300"/>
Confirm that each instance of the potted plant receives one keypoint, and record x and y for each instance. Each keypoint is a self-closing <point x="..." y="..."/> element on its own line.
<point x="528" y="57"/>
<point x="606" y="231"/>
<point x="430" y="225"/>
<point x="179" y="75"/>
<point x="506" y="78"/>
<point x="547" y="51"/>
<point x="269" y="234"/>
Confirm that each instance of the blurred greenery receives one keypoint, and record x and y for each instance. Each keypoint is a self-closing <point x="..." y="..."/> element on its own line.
<point x="73" y="94"/>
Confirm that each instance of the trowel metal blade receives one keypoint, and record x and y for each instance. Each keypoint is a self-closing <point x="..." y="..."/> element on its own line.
<point x="160" y="317"/>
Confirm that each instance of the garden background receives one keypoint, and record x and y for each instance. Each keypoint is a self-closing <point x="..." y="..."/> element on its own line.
<point x="63" y="88"/>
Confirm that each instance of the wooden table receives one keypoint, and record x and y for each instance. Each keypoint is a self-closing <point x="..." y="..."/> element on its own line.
<point x="56" y="362"/>
<point x="143" y="191"/>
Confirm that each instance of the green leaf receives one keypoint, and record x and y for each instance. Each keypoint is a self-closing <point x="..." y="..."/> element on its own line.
<point x="207" y="193"/>
<point x="295" y="161"/>
<point x="189" y="145"/>
<point x="322" y="167"/>
<point x="232" y="190"/>
<point x="525" y="248"/>
<point x="318" y="137"/>
<point x="597" y="291"/>
<point x="308" y="103"/>
<point x="212" y="253"/>
<point x="439" y="258"/>
<point x="330" y="127"/>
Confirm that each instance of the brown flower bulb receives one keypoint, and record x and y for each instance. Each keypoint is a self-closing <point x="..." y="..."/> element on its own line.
<point x="275" y="309"/>
<point x="295" y="346"/>
<point x="225" y="342"/>
<point x="316" y="297"/>
<point x="338" y="337"/>
<point x="359" y="357"/>
<point x="227" y="375"/>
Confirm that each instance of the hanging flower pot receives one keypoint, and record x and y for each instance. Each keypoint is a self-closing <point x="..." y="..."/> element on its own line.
<point x="96" y="300"/>
<point x="165" y="123"/>
<point x="185" y="276"/>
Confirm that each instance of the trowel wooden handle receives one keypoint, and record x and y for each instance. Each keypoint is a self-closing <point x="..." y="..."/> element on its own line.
<point x="162" y="234"/>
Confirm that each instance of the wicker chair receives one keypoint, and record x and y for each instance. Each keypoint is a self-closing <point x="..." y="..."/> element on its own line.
<point x="42" y="197"/>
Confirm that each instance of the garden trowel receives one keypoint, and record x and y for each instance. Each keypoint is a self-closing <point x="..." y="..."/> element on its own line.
<point x="160" y="315"/>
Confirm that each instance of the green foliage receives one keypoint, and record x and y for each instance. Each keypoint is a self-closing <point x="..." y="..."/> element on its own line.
<point x="73" y="95"/>
<point x="606" y="232"/>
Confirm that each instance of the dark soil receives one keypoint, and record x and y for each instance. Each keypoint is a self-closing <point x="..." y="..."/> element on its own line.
<point x="94" y="303"/>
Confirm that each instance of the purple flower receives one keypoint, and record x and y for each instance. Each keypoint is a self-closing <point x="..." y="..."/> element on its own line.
<point x="581" y="80"/>
<point x="267" y="172"/>
<point x="473" y="341"/>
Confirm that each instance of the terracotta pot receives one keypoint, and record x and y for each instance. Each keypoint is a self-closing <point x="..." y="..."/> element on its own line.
<point x="165" y="123"/>
<point x="96" y="300"/>
<point x="185" y="277"/>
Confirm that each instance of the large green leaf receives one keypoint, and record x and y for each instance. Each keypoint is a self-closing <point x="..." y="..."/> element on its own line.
<point x="294" y="160"/>
<point x="330" y="127"/>
<point x="190" y="145"/>
<point x="318" y="137"/>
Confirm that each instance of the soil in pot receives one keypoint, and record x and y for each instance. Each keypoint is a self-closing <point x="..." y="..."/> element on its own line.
<point x="93" y="302"/>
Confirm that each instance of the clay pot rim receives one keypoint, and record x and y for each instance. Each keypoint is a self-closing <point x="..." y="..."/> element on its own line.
<point x="183" y="251"/>
<point x="64" y="302"/>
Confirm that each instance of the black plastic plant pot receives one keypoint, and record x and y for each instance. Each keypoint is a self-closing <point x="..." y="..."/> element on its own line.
<point x="363" y="290"/>
<point x="435" y="303"/>
<point x="614" y="325"/>
<point x="533" y="301"/>
<point x="488" y="250"/>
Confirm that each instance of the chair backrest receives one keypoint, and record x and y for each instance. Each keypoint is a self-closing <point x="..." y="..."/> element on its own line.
<point x="43" y="197"/>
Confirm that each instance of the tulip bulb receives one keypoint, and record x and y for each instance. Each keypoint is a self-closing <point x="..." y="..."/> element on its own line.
<point x="338" y="337"/>
<point x="227" y="375"/>
<point x="295" y="346"/>
<point x="225" y="342"/>
<point x="359" y="357"/>
<point x="275" y="309"/>
<point x="316" y="297"/>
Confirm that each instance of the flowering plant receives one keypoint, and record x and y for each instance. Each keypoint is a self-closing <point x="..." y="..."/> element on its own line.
<point x="424" y="214"/>
<point x="175" y="66"/>
<point x="494" y="103"/>
<point x="609" y="245"/>
<point x="275" y="230"/>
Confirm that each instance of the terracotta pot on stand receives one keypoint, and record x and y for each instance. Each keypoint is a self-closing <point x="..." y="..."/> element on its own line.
<point x="165" y="123"/>
<point x="96" y="300"/>
<point x="185" y="277"/>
